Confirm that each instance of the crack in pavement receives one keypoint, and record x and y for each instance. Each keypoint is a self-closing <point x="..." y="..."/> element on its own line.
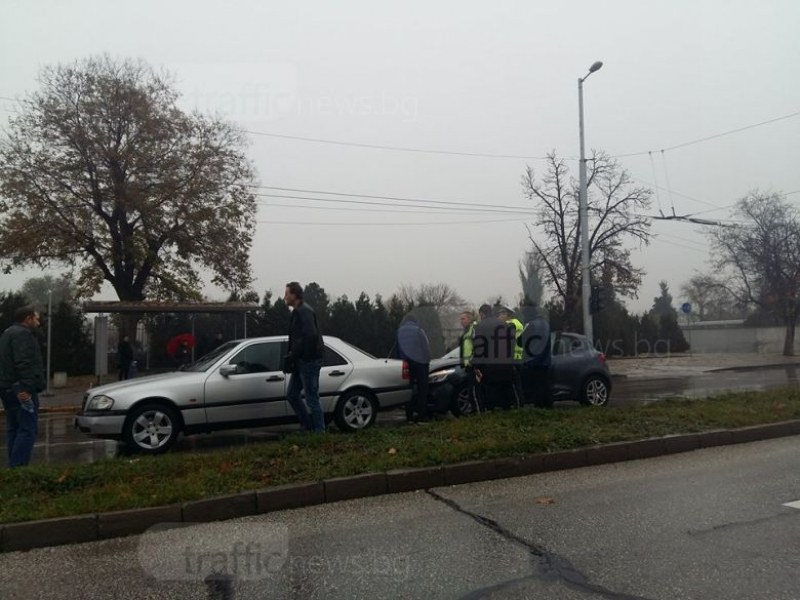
<point x="548" y="563"/>
<point x="723" y="526"/>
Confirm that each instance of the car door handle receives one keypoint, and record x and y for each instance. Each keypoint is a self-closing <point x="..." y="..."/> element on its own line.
<point x="275" y="378"/>
<point x="336" y="374"/>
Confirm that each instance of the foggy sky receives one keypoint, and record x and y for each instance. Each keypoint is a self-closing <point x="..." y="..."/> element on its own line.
<point x="471" y="77"/>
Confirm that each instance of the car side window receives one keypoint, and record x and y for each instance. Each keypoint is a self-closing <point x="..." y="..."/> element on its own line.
<point x="332" y="358"/>
<point x="258" y="358"/>
<point x="560" y="345"/>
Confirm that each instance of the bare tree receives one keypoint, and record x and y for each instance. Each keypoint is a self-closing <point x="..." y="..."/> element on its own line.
<point x="103" y="172"/>
<point x="760" y="257"/>
<point x="711" y="298"/>
<point x="615" y="211"/>
<point x="440" y="296"/>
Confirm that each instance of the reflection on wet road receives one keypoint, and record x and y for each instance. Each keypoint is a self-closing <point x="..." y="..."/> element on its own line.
<point x="636" y="391"/>
<point x="59" y="442"/>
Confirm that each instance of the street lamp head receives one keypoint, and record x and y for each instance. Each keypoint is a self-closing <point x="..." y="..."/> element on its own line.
<point x="596" y="66"/>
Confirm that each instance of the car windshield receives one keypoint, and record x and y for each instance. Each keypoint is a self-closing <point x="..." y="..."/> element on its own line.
<point x="207" y="361"/>
<point x="454" y="353"/>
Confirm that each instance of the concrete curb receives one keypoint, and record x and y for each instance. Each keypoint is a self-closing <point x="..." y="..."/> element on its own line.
<point x="44" y="410"/>
<point x="88" y="528"/>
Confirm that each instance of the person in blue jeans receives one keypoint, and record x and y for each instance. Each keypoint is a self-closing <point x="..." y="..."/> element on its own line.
<point x="304" y="360"/>
<point x="21" y="380"/>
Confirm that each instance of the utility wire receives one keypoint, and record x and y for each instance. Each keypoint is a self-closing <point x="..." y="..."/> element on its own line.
<point x="385" y="223"/>
<point x="373" y="203"/>
<point x="402" y="211"/>
<point x="394" y="198"/>
<point x="712" y="137"/>
<point x="392" y="148"/>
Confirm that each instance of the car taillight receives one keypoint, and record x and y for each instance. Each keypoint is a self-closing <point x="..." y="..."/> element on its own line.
<point x="406" y="371"/>
<point x="601" y="357"/>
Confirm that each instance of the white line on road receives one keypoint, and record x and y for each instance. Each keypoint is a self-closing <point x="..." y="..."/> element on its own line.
<point x="795" y="504"/>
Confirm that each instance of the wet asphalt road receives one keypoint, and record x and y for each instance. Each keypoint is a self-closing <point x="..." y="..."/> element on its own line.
<point x="59" y="442"/>
<point x="705" y="525"/>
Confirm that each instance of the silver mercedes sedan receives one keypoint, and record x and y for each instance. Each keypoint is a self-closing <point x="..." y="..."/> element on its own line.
<point x="240" y="384"/>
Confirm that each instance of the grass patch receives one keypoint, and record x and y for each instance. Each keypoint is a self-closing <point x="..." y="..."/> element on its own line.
<point x="42" y="491"/>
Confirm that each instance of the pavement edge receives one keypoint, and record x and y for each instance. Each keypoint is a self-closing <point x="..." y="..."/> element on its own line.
<point x="76" y="529"/>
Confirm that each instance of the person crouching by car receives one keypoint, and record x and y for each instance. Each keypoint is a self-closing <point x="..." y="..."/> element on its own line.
<point x="413" y="346"/>
<point x="304" y="361"/>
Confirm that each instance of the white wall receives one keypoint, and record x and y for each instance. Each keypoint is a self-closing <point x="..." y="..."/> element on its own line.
<point x="724" y="339"/>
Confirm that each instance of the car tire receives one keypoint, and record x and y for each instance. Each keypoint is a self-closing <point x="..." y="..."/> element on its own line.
<point x="595" y="391"/>
<point x="355" y="410"/>
<point x="151" y="429"/>
<point x="462" y="403"/>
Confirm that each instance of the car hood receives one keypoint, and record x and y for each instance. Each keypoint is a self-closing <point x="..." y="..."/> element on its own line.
<point x="444" y="363"/>
<point x="121" y="386"/>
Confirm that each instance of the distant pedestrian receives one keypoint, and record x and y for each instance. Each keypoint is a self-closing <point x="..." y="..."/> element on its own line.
<point x="414" y="348"/>
<point x="124" y="357"/>
<point x="183" y="356"/>
<point x="219" y="339"/>
<point x="21" y="380"/>
<point x="304" y="361"/>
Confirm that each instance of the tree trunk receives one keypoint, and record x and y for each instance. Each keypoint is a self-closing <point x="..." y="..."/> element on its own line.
<point x="571" y="318"/>
<point x="788" y="344"/>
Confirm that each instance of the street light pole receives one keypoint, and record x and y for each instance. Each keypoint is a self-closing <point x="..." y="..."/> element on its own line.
<point x="583" y="210"/>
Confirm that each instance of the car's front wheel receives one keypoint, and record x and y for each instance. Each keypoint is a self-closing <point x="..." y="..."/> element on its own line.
<point x="151" y="428"/>
<point x="595" y="391"/>
<point x="356" y="409"/>
<point x="463" y="401"/>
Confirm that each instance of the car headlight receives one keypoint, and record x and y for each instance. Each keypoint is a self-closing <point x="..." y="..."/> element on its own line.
<point x="100" y="402"/>
<point x="440" y="376"/>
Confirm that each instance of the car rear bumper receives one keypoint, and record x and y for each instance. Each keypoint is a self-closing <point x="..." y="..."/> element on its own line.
<point x="394" y="398"/>
<point x="109" y="426"/>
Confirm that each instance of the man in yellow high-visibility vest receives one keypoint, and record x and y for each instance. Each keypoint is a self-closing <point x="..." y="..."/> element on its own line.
<point x="507" y="316"/>
<point x="466" y="345"/>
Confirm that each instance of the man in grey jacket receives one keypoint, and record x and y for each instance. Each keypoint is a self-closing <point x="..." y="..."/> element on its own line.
<point x="414" y="348"/>
<point x="21" y="380"/>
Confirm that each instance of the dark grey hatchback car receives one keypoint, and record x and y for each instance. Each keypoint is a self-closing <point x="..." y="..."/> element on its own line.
<point x="578" y="372"/>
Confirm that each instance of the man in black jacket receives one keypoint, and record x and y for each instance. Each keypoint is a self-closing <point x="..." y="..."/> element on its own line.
<point x="21" y="380"/>
<point x="306" y="350"/>
<point x="494" y="343"/>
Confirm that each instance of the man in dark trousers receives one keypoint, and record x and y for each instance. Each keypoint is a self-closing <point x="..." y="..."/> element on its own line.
<point x="414" y="348"/>
<point x="537" y="360"/>
<point x="494" y="344"/>
<point x="21" y="380"/>
<point x="304" y="361"/>
<point x="124" y="357"/>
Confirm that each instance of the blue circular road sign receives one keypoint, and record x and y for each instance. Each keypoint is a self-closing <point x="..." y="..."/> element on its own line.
<point x="686" y="308"/>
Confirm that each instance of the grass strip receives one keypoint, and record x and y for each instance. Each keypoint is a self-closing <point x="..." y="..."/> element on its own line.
<point x="54" y="490"/>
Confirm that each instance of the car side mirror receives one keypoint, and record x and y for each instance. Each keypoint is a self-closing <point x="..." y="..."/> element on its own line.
<point x="228" y="370"/>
